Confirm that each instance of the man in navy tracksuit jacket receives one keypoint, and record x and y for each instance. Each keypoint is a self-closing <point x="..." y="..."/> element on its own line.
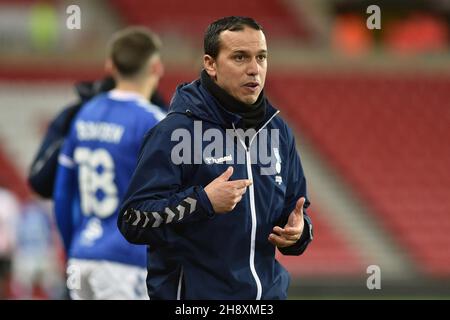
<point x="219" y="184"/>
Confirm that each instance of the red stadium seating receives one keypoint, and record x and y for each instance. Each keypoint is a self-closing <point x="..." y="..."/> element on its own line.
<point x="192" y="18"/>
<point x="386" y="135"/>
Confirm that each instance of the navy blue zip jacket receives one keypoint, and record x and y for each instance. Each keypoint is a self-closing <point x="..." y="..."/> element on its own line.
<point x="195" y="253"/>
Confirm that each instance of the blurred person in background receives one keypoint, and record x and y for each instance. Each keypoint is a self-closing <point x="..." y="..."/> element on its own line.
<point x="208" y="238"/>
<point x="9" y="214"/>
<point x="42" y="174"/>
<point x="95" y="165"/>
<point x="37" y="272"/>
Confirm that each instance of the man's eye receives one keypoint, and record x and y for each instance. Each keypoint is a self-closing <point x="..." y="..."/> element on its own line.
<point x="239" y="57"/>
<point x="262" y="57"/>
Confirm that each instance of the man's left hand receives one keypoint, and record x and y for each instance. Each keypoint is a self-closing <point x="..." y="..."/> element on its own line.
<point x="292" y="231"/>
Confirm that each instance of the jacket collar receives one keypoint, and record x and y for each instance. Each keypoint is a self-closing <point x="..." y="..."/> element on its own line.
<point x="194" y="100"/>
<point x="252" y="115"/>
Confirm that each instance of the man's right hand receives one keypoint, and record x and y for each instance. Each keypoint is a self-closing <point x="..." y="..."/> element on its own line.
<point x="225" y="194"/>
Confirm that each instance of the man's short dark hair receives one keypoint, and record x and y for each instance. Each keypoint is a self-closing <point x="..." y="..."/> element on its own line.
<point x="131" y="48"/>
<point x="211" y="41"/>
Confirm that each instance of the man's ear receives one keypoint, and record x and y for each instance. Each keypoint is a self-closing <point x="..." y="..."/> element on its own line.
<point x="209" y="64"/>
<point x="156" y="67"/>
<point x="109" y="67"/>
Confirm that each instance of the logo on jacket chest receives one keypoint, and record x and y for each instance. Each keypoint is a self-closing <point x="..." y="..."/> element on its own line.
<point x="278" y="177"/>
<point x="212" y="160"/>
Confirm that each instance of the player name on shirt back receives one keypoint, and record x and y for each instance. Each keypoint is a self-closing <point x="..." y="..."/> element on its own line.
<point x="101" y="131"/>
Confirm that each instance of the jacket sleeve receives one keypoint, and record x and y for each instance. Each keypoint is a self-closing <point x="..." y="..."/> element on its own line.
<point x="157" y="202"/>
<point x="64" y="194"/>
<point x="296" y="188"/>
<point x="42" y="173"/>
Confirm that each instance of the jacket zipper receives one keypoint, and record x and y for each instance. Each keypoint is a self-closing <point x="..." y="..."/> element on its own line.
<point x="180" y="282"/>
<point x="253" y="208"/>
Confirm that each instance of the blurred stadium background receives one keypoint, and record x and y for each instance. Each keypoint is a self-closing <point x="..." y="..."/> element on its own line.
<point x="371" y="109"/>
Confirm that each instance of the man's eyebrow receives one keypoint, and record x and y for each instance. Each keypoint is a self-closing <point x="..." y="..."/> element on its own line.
<point x="248" y="52"/>
<point x="240" y="51"/>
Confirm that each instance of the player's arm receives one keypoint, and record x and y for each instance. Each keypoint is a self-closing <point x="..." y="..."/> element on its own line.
<point x="155" y="200"/>
<point x="64" y="194"/>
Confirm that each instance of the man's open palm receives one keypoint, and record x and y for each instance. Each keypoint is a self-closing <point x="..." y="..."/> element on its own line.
<point x="292" y="231"/>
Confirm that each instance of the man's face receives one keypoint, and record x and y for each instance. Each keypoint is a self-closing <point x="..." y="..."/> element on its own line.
<point x="241" y="65"/>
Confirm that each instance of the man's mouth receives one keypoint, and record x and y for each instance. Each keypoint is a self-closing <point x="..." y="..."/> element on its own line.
<point x="253" y="86"/>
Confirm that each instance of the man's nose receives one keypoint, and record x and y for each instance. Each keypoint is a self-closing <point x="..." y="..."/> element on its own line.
<point x="253" y="67"/>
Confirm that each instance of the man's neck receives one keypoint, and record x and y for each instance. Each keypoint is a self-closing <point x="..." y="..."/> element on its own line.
<point x="143" y="89"/>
